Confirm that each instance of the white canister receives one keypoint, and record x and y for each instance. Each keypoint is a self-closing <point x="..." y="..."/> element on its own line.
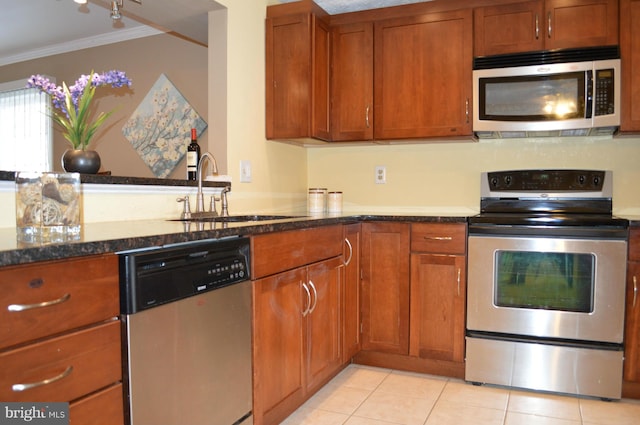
<point x="316" y="200"/>
<point x="334" y="201"/>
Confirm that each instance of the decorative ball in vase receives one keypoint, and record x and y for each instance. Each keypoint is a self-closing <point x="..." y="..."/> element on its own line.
<point x="73" y="114"/>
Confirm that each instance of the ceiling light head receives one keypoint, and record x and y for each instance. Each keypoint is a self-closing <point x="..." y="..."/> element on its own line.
<point x="115" y="10"/>
<point x="81" y="1"/>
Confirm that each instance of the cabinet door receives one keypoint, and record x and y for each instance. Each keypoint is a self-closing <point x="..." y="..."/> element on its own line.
<point x="323" y="322"/>
<point x="278" y="345"/>
<point x="352" y="82"/>
<point x="385" y="287"/>
<point x="630" y="54"/>
<point x="508" y="28"/>
<point x="297" y="73"/>
<point x="580" y="23"/>
<point x="351" y="292"/>
<point x="437" y="306"/>
<point x="632" y="324"/>
<point x="422" y="75"/>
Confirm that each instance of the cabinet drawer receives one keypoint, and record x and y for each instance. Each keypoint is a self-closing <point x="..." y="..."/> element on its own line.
<point x="441" y="238"/>
<point x="57" y="296"/>
<point x="277" y="252"/>
<point x="76" y="364"/>
<point x="634" y="244"/>
<point x="102" y="408"/>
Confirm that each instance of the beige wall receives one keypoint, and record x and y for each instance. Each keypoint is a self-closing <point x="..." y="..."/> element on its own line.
<point x="446" y="177"/>
<point x="420" y="178"/>
<point x="144" y="60"/>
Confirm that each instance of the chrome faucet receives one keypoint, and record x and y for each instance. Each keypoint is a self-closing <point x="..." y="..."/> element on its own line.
<point x="199" y="195"/>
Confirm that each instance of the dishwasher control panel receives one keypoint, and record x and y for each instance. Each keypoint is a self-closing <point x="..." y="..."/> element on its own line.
<point x="155" y="277"/>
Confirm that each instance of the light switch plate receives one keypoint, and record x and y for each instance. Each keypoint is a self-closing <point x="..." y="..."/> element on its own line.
<point x="245" y="171"/>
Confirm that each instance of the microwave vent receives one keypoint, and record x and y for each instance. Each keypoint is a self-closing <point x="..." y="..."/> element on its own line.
<point x="579" y="132"/>
<point x="545" y="57"/>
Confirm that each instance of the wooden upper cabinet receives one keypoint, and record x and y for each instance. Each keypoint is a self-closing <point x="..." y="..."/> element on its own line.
<point x="545" y="25"/>
<point x="508" y="28"/>
<point x="297" y="77"/>
<point x="422" y="75"/>
<point x="352" y="82"/>
<point x="630" y="54"/>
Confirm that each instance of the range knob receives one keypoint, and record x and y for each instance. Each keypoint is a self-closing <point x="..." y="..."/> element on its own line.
<point x="582" y="179"/>
<point x="596" y="181"/>
<point x="508" y="180"/>
<point x="494" y="182"/>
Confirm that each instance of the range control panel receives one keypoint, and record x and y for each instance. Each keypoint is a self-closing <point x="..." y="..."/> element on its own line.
<point x="546" y="180"/>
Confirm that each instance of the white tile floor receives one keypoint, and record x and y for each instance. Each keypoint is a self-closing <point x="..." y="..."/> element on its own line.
<point x="362" y="395"/>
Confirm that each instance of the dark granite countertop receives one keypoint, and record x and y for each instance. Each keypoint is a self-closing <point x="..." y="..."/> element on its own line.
<point x="117" y="236"/>
<point x="139" y="181"/>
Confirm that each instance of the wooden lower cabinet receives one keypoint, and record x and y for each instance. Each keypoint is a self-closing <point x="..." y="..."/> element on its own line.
<point x="385" y="287"/>
<point x="296" y="346"/>
<point x="61" y="338"/>
<point x="413" y="296"/>
<point x="351" y="329"/>
<point x="631" y="385"/>
<point x="437" y="306"/>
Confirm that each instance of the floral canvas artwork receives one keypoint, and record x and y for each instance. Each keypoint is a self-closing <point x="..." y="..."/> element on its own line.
<point x="160" y="128"/>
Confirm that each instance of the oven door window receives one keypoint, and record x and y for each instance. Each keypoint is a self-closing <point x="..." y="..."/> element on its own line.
<point x="545" y="280"/>
<point x="533" y="98"/>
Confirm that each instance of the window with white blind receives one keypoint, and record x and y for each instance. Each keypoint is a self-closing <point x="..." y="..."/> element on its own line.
<point x="26" y="128"/>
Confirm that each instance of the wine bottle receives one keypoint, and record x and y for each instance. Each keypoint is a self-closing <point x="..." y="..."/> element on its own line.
<point x="193" y="156"/>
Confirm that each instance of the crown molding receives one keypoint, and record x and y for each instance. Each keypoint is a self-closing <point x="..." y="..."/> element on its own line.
<point x="83" y="43"/>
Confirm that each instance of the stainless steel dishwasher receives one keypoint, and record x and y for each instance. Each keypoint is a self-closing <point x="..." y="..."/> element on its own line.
<point x="186" y="313"/>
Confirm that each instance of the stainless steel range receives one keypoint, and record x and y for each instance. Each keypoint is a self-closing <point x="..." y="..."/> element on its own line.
<point x="546" y="283"/>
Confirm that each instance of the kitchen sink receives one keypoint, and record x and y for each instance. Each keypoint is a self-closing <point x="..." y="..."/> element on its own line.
<point x="207" y="217"/>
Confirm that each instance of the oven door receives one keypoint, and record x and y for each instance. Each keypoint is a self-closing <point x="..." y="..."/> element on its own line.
<point x="562" y="288"/>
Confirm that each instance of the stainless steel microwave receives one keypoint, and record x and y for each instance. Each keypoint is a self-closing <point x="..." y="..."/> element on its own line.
<point x="573" y="92"/>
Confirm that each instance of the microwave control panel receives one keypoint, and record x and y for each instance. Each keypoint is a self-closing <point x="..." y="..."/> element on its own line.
<point x="604" y="93"/>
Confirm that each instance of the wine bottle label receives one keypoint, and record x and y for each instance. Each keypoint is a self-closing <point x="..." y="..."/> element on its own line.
<point x="192" y="159"/>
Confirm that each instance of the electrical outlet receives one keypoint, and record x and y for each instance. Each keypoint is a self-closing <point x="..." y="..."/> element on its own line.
<point x="245" y="171"/>
<point x="381" y="174"/>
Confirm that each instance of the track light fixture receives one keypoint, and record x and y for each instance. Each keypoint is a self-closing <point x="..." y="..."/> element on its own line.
<point x="115" y="9"/>
<point x="116" y="5"/>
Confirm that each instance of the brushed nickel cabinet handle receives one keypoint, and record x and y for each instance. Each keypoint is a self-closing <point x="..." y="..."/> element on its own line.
<point x="306" y="288"/>
<point x="366" y="116"/>
<point x="466" y="111"/>
<point x="549" y="24"/>
<point x="25" y="387"/>
<point x="346" y="263"/>
<point x="537" y="27"/>
<point x="438" y="238"/>
<point x="459" y="271"/>
<point x="315" y="296"/>
<point x="24" y="307"/>
<point x="635" y="290"/>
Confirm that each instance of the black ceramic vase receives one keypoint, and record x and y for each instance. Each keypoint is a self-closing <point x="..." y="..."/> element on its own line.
<point x="81" y="161"/>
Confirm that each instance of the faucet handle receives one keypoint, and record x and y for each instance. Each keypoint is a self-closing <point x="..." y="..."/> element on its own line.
<point x="224" y="204"/>
<point x="186" y="211"/>
<point x="212" y="208"/>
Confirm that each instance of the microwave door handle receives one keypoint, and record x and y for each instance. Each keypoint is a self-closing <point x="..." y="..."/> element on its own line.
<point x="589" y="106"/>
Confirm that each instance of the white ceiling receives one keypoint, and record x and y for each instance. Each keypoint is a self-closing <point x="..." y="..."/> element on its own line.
<point x="36" y="28"/>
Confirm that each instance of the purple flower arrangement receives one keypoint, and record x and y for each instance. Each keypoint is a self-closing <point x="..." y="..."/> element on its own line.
<point x="74" y="103"/>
